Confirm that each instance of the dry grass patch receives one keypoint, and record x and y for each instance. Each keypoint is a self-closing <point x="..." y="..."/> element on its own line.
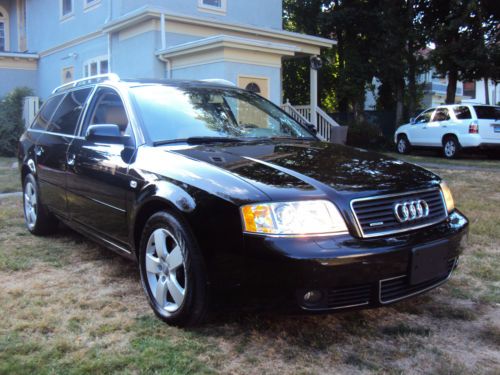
<point x="69" y="306"/>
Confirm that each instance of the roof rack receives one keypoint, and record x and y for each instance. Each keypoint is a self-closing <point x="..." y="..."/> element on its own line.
<point x="87" y="81"/>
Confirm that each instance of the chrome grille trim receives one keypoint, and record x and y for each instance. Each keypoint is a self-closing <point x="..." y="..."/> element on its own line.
<point x="400" y="230"/>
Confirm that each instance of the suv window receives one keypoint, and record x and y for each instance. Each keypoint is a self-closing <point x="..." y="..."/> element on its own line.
<point x="442" y="114"/>
<point x="484" y="112"/>
<point x="109" y="109"/>
<point x="462" y="112"/>
<point x="424" y="116"/>
<point x="68" y="113"/>
<point x="43" y="118"/>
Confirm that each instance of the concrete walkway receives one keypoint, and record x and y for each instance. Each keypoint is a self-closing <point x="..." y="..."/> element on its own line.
<point x="9" y="195"/>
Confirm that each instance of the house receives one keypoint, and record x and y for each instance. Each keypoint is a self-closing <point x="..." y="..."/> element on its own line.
<point x="45" y="43"/>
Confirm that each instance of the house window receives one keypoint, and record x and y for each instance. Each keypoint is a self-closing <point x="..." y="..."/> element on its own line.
<point x="66" y="8"/>
<point x="470" y="89"/>
<point x="4" y="30"/>
<point x="95" y="67"/>
<point x="217" y="6"/>
<point x="68" y="74"/>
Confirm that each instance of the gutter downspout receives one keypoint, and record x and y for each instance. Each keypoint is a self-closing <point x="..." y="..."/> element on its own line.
<point x="168" y="65"/>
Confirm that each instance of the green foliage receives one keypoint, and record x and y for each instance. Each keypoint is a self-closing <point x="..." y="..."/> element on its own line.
<point x="366" y="135"/>
<point x="11" y="121"/>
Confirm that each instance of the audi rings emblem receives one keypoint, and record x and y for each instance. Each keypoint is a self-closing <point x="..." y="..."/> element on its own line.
<point x="411" y="210"/>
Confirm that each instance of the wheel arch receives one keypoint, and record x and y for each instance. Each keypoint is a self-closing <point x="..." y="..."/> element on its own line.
<point x="448" y="135"/>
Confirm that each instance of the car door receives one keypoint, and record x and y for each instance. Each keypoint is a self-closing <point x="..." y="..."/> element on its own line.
<point x="417" y="133"/>
<point x="98" y="179"/>
<point x="437" y="127"/>
<point x="56" y="123"/>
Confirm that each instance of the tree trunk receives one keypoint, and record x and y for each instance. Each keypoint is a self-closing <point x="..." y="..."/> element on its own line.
<point x="486" y="91"/>
<point x="358" y="107"/>
<point x="412" y="84"/>
<point x="452" y="86"/>
<point x="400" y="87"/>
<point x="343" y="104"/>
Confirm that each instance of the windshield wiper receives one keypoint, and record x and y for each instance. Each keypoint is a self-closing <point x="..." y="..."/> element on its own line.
<point x="198" y="140"/>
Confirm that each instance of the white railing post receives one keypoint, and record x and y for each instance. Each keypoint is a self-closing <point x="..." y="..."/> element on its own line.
<point x="314" y="96"/>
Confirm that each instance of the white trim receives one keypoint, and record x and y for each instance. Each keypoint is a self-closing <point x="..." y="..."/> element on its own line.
<point x="71" y="43"/>
<point x="6" y="25"/>
<point x="213" y="9"/>
<point x="65" y="17"/>
<point x="221" y="60"/>
<point x="148" y="12"/>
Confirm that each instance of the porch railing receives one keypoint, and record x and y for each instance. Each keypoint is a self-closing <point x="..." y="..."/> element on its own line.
<point x="328" y="129"/>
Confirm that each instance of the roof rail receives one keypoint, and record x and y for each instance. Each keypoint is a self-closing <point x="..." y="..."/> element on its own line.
<point x="219" y="81"/>
<point x="88" y="80"/>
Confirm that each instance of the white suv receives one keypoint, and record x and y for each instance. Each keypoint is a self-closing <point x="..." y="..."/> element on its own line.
<point x="452" y="128"/>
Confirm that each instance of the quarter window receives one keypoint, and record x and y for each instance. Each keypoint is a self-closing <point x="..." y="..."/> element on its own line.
<point x="68" y="113"/>
<point x="42" y="120"/>
<point x="442" y="114"/>
<point x="462" y="112"/>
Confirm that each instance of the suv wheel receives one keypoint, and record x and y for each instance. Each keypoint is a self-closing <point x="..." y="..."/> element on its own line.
<point x="403" y="145"/>
<point x="172" y="271"/>
<point x="451" y="147"/>
<point x="36" y="216"/>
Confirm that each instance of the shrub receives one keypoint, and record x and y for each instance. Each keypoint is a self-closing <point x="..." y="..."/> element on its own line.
<point x="366" y="135"/>
<point x="11" y="120"/>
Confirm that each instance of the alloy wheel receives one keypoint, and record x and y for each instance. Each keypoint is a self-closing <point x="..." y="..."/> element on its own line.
<point x="166" y="270"/>
<point x="402" y="146"/>
<point x="450" y="148"/>
<point x="30" y="204"/>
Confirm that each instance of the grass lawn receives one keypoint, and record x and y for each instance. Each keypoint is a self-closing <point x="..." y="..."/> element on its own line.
<point x="69" y="306"/>
<point x="9" y="181"/>
<point x="470" y="160"/>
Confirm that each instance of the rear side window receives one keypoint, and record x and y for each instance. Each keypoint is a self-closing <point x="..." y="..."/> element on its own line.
<point x="43" y="119"/>
<point x="442" y="114"/>
<point x="462" y="112"/>
<point x="484" y="112"/>
<point x="66" y="117"/>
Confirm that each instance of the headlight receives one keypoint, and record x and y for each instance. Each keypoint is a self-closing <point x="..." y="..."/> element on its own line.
<point x="448" y="198"/>
<point x="293" y="218"/>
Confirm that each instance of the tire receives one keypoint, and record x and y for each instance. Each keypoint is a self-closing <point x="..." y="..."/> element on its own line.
<point x="403" y="146"/>
<point x="173" y="273"/>
<point x="37" y="217"/>
<point x="451" y="147"/>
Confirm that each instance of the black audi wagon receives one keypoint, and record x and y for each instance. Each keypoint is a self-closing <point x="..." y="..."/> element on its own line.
<point x="212" y="189"/>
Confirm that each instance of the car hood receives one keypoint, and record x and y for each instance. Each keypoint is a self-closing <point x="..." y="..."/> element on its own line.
<point x="275" y="167"/>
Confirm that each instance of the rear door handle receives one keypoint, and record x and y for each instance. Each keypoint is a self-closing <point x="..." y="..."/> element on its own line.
<point x="71" y="159"/>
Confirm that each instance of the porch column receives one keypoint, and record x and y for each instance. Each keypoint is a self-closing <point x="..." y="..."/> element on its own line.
<point x="314" y="94"/>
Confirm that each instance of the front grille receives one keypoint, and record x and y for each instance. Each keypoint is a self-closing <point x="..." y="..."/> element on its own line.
<point x="399" y="287"/>
<point x="375" y="215"/>
<point x="348" y="296"/>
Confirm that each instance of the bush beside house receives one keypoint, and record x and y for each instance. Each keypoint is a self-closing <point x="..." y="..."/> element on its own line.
<point x="11" y="120"/>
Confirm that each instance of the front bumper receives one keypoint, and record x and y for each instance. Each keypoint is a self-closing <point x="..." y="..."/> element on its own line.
<point x="347" y="272"/>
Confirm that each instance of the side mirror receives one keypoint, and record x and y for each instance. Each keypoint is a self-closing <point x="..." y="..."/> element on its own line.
<point x="311" y="128"/>
<point x="105" y="133"/>
<point x="412" y="120"/>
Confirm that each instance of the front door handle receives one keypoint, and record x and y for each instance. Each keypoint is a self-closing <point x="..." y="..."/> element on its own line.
<point x="71" y="159"/>
<point x="38" y="150"/>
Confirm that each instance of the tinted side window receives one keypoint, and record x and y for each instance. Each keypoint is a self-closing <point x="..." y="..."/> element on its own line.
<point x="442" y="114"/>
<point x="424" y="116"/>
<point x="484" y="112"/>
<point x="462" y="113"/>
<point x="66" y="117"/>
<point x="42" y="120"/>
<point x="108" y="108"/>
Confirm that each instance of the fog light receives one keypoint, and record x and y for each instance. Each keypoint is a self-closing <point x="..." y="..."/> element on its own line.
<point x="313" y="296"/>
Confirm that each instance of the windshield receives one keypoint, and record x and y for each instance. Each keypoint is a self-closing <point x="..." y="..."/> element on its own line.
<point x="170" y="113"/>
